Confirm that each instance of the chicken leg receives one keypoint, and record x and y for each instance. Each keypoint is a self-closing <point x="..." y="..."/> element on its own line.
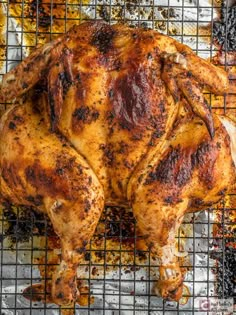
<point x="40" y="169"/>
<point x="184" y="176"/>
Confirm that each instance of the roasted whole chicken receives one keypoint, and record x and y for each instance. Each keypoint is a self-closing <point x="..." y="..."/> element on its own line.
<point x="114" y="115"/>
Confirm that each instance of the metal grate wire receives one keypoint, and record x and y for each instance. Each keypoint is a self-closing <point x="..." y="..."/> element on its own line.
<point x="116" y="292"/>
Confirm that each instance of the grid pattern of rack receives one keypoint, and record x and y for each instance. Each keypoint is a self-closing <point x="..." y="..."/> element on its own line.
<point x="116" y="272"/>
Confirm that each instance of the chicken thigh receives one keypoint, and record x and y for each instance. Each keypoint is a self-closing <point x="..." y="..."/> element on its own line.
<point x="106" y="127"/>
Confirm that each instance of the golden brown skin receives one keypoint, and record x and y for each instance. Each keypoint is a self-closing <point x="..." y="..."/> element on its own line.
<point x="115" y="94"/>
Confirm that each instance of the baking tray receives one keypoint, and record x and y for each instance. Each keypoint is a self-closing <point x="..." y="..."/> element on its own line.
<point x="117" y="273"/>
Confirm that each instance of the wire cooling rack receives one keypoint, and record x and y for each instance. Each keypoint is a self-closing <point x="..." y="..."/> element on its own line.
<point x="117" y="274"/>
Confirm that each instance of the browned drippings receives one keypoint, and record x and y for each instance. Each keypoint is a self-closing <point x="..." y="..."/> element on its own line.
<point x="2" y="38"/>
<point x="224" y="235"/>
<point x="226" y="105"/>
<point x="225" y="216"/>
<point x="43" y="21"/>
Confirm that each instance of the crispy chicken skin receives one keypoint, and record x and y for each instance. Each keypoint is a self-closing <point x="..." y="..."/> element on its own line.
<point x="117" y="117"/>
